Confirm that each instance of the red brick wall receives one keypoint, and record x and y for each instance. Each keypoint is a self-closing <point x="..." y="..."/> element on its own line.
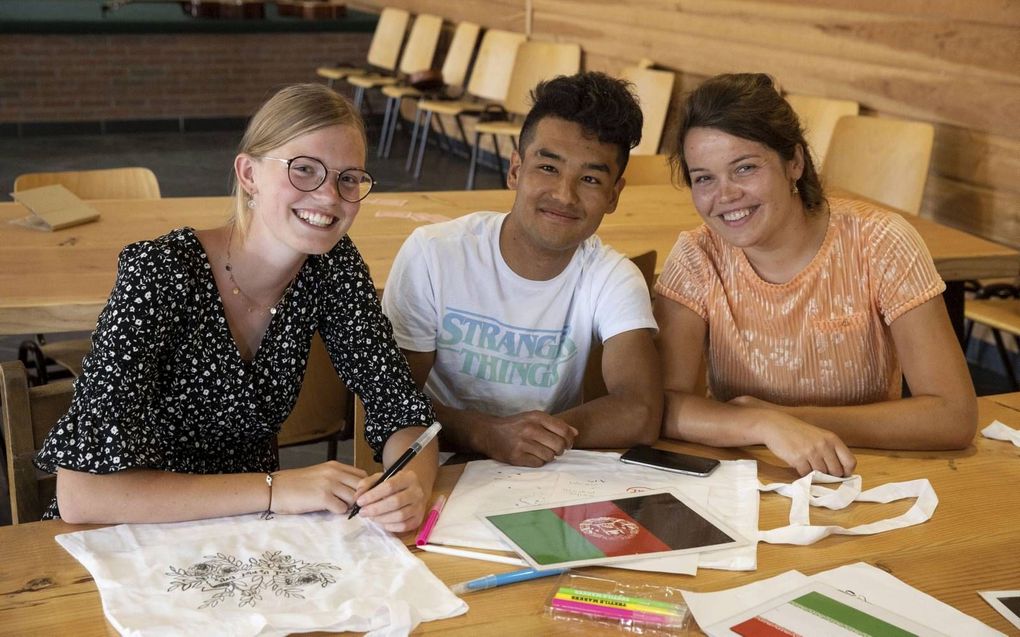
<point x="45" y="78"/>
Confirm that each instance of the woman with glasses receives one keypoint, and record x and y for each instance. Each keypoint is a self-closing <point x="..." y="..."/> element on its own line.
<point x="199" y="354"/>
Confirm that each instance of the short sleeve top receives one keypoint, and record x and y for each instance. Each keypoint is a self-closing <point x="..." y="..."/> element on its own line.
<point x="821" y="338"/>
<point x="165" y="386"/>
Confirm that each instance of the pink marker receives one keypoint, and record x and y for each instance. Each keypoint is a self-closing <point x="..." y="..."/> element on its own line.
<point x="430" y="522"/>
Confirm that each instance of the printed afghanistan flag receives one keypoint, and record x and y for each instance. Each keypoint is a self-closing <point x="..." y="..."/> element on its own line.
<point x="628" y="526"/>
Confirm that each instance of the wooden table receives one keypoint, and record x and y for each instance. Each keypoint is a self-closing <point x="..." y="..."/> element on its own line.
<point x="969" y="545"/>
<point x="59" y="281"/>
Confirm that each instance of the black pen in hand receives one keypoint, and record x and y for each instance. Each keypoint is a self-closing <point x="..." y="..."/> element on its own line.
<point x="408" y="455"/>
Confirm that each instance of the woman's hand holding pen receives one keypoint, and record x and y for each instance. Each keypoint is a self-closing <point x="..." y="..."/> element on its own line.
<point x="398" y="504"/>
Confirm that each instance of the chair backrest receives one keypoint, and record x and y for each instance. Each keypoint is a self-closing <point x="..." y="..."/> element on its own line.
<point x="654" y="90"/>
<point x="323" y="406"/>
<point x="458" y="56"/>
<point x="593" y="385"/>
<point x="109" y="183"/>
<point x="818" y="117"/>
<point x="28" y="415"/>
<point x="421" y="44"/>
<point x="389" y="35"/>
<point x="881" y="159"/>
<point x="648" y="170"/>
<point x="535" y="62"/>
<point x="494" y="64"/>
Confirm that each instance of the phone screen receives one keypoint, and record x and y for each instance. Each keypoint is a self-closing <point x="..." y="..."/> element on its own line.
<point x="670" y="461"/>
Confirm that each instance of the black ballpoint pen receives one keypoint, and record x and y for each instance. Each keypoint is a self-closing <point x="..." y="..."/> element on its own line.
<point x="407" y="456"/>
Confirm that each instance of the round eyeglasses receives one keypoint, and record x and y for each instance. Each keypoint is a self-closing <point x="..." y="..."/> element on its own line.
<point x="308" y="173"/>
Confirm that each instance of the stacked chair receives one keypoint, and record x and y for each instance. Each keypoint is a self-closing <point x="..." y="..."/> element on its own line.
<point x="535" y="62"/>
<point x="490" y="80"/>
<point x="818" y="117"/>
<point x="382" y="52"/>
<point x="453" y="75"/>
<point x="417" y="56"/>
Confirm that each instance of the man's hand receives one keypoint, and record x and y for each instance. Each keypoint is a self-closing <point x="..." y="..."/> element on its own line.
<point x="528" y="439"/>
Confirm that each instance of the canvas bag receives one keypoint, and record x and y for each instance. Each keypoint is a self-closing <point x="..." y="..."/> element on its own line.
<point x="248" y="576"/>
<point x="805" y="494"/>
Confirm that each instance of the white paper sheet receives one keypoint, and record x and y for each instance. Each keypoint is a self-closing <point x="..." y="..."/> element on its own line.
<point x="999" y="430"/>
<point x="730" y="493"/>
<point x="862" y="580"/>
<point x="248" y="576"/>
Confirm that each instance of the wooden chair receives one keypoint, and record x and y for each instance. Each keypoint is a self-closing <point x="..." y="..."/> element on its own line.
<point x="882" y="159"/>
<point x="654" y="90"/>
<point x="111" y="183"/>
<point x="593" y="385"/>
<point x="997" y="306"/>
<point x="818" y="117"/>
<point x="648" y="170"/>
<point x="490" y="80"/>
<point x="28" y="414"/>
<point x="383" y="50"/>
<point x="324" y="410"/>
<point x="454" y="73"/>
<point x="417" y="56"/>
<point x="535" y="62"/>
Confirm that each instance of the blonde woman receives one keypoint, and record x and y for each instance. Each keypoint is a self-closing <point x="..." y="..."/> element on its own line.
<point x="199" y="354"/>
<point x="810" y="311"/>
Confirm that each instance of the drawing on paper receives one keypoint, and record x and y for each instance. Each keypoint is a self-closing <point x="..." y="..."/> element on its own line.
<point x="229" y="577"/>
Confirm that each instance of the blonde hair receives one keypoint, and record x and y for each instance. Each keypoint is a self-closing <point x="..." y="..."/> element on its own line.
<point x="292" y="112"/>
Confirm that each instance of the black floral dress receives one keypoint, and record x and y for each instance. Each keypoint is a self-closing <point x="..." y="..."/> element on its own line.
<point x="165" y="386"/>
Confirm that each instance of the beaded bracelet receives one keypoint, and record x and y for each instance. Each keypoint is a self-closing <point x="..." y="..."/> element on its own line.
<point x="268" y="513"/>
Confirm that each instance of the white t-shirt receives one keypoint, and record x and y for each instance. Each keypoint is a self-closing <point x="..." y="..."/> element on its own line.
<point x="505" y="344"/>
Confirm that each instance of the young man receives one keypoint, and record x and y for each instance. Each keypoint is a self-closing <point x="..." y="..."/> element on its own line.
<point x="497" y="313"/>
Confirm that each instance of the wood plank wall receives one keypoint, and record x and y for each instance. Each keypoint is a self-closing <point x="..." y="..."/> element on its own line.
<point x="954" y="63"/>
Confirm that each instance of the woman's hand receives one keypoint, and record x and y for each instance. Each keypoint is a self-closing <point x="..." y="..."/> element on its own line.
<point x="397" y="505"/>
<point x="329" y="486"/>
<point x="805" y="447"/>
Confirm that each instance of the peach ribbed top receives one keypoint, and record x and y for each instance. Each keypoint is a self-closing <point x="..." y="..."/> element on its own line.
<point x="821" y="338"/>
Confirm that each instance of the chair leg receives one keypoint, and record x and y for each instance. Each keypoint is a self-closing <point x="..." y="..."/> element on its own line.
<point x="331" y="449"/>
<point x="385" y="127"/>
<point x="359" y="97"/>
<point x="499" y="159"/>
<point x="1006" y="363"/>
<point x="394" y="122"/>
<point x="414" y="138"/>
<point x="474" y="162"/>
<point x="426" y="127"/>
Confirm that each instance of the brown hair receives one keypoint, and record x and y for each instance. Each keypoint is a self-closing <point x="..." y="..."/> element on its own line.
<point x="747" y="105"/>
<point x="293" y="111"/>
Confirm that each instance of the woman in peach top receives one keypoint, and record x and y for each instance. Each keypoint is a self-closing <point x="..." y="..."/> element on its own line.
<point x="809" y="311"/>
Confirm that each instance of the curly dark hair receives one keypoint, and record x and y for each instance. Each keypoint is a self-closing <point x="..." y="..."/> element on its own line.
<point x="605" y="107"/>
<point x="747" y="105"/>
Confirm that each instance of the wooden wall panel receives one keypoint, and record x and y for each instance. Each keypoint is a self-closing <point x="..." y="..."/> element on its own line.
<point x="953" y="63"/>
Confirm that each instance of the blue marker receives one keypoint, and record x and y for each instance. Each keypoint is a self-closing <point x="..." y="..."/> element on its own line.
<point x="492" y="581"/>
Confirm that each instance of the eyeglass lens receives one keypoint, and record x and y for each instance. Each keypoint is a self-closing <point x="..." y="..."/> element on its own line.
<point x="308" y="173"/>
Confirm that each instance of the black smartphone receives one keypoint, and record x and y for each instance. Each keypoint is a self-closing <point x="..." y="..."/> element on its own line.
<point x="670" y="461"/>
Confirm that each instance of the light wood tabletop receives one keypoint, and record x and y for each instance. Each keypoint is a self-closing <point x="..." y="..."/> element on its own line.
<point x="969" y="545"/>
<point x="59" y="281"/>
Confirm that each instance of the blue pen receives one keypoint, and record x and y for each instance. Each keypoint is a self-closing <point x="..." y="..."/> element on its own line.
<point x="492" y="581"/>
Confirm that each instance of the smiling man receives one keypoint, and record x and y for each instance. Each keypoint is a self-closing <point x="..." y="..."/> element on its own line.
<point x="498" y="313"/>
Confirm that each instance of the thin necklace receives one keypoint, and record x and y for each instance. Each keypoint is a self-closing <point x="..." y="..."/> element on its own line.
<point x="248" y="301"/>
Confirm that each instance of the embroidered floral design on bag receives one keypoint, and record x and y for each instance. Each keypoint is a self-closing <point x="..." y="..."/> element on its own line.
<point x="229" y="577"/>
